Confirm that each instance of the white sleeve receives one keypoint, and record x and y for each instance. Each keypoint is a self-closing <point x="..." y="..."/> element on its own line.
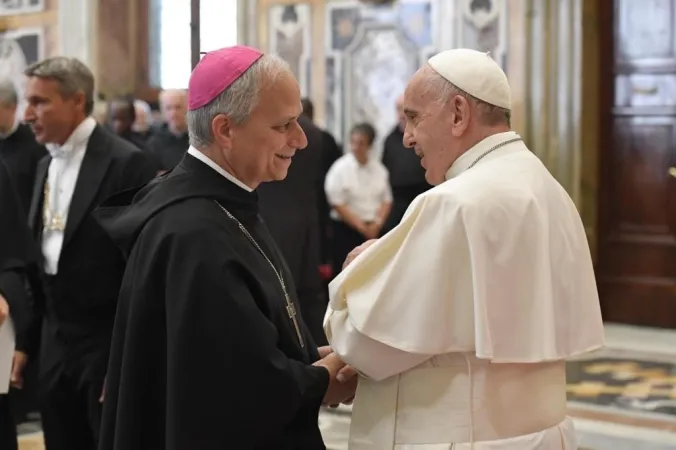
<point x="372" y="359"/>
<point x="334" y="186"/>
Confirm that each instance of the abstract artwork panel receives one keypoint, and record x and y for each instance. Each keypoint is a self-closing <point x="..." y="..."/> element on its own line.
<point x="344" y="23"/>
<point x="18" y="49"/>
<point x="416" y="20"/>
<point x="483" y="26"/>
<point x="290" y="34"/>
<point x="12" y="7"/>
<point x="378" y="64"/>
<point x="372" y="50"/>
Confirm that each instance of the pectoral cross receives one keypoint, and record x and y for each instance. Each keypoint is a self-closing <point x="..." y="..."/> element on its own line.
<point x="291" y="311"/>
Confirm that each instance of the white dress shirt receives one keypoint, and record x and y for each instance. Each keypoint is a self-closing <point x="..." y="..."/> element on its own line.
<point x="205" y="159"/>
<point x="361" y="188"/>
<point x="64" y="169"/>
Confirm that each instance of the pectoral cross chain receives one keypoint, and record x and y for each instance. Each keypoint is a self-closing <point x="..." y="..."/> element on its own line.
<point x="290" y="307"/>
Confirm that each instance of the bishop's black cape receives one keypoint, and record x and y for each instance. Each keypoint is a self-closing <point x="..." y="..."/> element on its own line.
<point x="203" y="354"/>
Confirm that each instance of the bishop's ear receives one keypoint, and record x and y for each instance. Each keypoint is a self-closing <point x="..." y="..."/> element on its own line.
<point x="221" y="130"/>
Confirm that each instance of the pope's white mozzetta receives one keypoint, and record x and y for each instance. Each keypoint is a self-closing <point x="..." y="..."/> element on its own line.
<point x="460" y="319"/>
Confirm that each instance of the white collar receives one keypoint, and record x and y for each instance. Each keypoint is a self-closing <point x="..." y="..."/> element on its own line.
<point x="206" y="160"/>
<point x="467" y="159"/>
<point x="77" y="138"/>
<point x="11" y="130"/>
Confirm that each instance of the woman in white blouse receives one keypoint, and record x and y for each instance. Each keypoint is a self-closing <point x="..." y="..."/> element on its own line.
<point x="358" y="190"/>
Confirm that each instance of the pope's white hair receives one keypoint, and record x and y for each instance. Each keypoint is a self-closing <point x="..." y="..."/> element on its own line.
<point x="444" y="90"/>
<point x="237" y="101"/>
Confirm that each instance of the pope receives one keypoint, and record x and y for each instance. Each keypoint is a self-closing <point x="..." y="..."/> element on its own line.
<point x="459" y="321"/>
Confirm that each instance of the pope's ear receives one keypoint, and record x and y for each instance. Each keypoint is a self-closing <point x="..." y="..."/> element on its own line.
<point x="221" y="130"/>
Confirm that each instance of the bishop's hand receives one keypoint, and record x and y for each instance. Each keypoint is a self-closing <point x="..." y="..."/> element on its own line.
<point x="338" y="392"/>
<point x="358" y="251"/>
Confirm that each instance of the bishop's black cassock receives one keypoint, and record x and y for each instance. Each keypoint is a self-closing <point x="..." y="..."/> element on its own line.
<point x="17" y="254"/>
<point x="204" y="354"/>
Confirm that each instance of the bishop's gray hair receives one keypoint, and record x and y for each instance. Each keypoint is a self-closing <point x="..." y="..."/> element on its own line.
<point x="444" y="90"/>
<point x="8" y="93"/>
<point x="71" y="75"/>
<point x="237" y="101"/>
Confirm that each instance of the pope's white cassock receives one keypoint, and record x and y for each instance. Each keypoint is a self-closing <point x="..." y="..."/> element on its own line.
<point x="459" y="320"/>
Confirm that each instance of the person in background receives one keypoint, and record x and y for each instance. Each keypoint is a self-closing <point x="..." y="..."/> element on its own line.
<point x="17" y="254"/>
<point x="144" y="119"/>
<point x="359" y="193"/>
<point x="80" y="266"/>
<point x="100" y="111"/>
<point x="21" y="153"/>
<point x="407" y="176"/>
<point x="330" y="154"/>
<point x="169" y="140"/>
<point x="18" y="147"/>
<point x="121" y="118"/>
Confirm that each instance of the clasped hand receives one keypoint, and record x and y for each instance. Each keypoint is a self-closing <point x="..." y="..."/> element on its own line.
<point x="343" y="378"/>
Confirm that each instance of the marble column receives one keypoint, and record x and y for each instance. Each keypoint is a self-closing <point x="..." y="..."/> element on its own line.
<point x="77" y="30"/>
<point x="553" y="78"/>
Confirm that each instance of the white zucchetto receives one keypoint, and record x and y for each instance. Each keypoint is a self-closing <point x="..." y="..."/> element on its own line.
<point x="475" y="73"/>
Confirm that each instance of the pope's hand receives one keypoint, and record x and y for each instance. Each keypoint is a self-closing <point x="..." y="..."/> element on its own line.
<point x="358" y="251"/>
<point x="4" y="310"/>
<point x="338" y="391"/>
<point x="346" y="373"/>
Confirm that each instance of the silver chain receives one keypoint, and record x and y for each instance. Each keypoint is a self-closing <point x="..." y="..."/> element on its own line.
<point x="492" y="149"/>
<point x="290" y="308"/>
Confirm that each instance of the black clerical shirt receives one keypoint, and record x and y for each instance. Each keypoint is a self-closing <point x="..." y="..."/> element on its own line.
<point x="204" y="354"/>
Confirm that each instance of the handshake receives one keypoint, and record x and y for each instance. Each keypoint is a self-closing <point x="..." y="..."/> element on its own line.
<point x="343" y="378"/>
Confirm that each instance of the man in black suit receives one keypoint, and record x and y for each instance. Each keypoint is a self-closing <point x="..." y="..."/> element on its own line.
<point x="18" y="147"/>
<point x="289" y="209"/>
<point x="81" y="266"/>
<point x="17" y="253"/>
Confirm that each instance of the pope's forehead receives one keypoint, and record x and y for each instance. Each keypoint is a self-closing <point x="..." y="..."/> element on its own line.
<point x="418" y="89"/>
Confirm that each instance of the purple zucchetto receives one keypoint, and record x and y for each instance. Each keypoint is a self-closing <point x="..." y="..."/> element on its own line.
<point x="216" y="71"/>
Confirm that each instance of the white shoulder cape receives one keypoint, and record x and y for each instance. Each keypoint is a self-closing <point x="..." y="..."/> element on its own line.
<point x="493" y="261"/>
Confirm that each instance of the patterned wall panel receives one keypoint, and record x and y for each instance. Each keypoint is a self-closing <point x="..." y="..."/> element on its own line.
<point x="290" y="37"/>
<point x="371" y="52"/>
